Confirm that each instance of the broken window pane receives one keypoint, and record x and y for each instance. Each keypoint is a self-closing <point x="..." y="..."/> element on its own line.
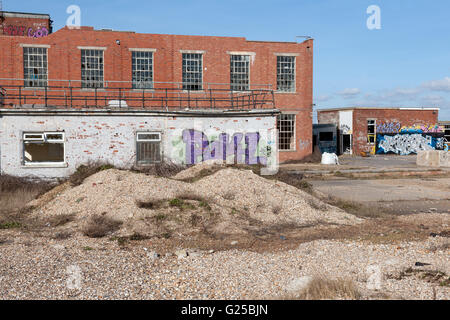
<point x="35" y="67"/>
<point x="192" y="71"/>
<point x="91" y="68"/>
<point x="43" y="152"/>
<point x="286" y="131"/>
<point x="286" y="73"/>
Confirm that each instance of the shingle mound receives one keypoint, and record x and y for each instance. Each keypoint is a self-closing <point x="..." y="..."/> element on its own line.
<point x="227" y="201"/>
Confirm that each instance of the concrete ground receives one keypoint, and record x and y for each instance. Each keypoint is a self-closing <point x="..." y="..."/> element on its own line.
<point x="392" y="182"/>
<point x="402" y="196"/>
<point x="376" y="163"/>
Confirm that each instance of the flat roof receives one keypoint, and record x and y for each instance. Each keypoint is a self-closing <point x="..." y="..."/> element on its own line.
<point x="12" y="14"/>
<point x="136" y="112"/>
<point x="376" y="108"/>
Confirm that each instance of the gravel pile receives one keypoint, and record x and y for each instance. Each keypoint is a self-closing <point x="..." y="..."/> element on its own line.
<point x="231" y="198"/>
<point x="82" y="268"/>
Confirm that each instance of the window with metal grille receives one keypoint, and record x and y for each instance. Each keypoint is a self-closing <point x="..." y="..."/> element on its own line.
<point x="142" y="69"/>
<point x="286" y="73"/>
<point x="91" y="68"/>
<point x="148" y="148"/>
<point x="286" y="131"/>
<point x="371" y="131"/>
<point x="240" y="72"/>
<point x="43" y="147"/>
<point x="35" y="66"/>
<point x="192" y="71"/>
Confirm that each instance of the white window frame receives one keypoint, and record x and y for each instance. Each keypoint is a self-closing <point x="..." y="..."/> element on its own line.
<point x="39" y="81"/>
<point x="44" y="134"/>
<point x="294" y="56"/>
<point x="152" y="52"/>
<point x="249" y="71"/>
<point x="293" y="146"/>
<point x="143" y="140"/>
<point x="183" y="83"/>
<point x="83" y="82"/>
<point x="374" y="131"/>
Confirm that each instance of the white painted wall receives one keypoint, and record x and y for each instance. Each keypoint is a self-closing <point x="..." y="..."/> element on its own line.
<point x="346" y="121"/>
<point x="112" y="138"/>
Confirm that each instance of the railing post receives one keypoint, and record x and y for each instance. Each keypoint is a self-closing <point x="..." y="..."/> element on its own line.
<point x="120" y="98"/>
<point x="20" y="95"/>
<point x="71" y="96"/>
<point x="143" y="98"/>
<point x="95" y="96"/>
<point x="232" y="101"/>
<point x="46" y="95"/>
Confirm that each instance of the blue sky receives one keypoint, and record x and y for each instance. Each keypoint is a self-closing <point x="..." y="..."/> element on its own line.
<point x="405" y="63"/>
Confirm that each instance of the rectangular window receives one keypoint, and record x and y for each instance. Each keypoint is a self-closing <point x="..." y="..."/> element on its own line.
<point x="43" y="147"/>
<point x="91" y="68"/>
<point x="192" y="71"/>
<point x="142" y="69"/>
<point x="148" y="148"/>
<point x="286" y="132"/>
<point x="447" y="132"/>
<point x="240" y="72"/>
<point x="371" y="131"/>
<point x="286" y="73"/>
<point x="325" y="136"/>
<point x="35" y="66"/>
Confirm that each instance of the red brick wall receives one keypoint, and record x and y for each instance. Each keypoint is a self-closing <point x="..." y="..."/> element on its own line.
<point x="28" y="27"/>
<point x="65" y="63"/>
<point x="360" y="117"/>
<point x="404" y="117"/>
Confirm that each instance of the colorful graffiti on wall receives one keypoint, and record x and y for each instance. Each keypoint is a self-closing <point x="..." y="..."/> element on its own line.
<point x="405" y="144"/>
<point x="25" y="31"/>
<point x="393" y="138"/>
<point x="423" y="129"/>
<point x="243" y="148"/>
<point x="389" y="127"/>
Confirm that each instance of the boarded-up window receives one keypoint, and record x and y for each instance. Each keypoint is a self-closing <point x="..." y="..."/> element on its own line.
<point x="148" y="148"/>
<point x="43" y="147"/>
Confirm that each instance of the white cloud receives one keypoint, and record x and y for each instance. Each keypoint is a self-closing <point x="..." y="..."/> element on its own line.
<point x="349" y="92"/>
<point x="438" y="85"/>
<point x="323" y="98"/>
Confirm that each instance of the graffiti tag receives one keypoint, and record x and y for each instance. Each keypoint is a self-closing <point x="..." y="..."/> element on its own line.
<point x="243" y="147"/>
<point x="405" y="144"/>
<point x="24" y="31"/>
<point x="388" y="127"/>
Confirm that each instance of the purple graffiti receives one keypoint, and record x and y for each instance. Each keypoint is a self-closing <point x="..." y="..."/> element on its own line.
<point x="244" y="148"/>
<point x="388" y="127"/>
<point x="24" y="31"/>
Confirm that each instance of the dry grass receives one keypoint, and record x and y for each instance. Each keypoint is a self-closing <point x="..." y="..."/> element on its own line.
<point x="326" y="289"/>
<point x="99" y="226"/>
<point x="150" y="204"/>
<point x="15" y="194"/>
<point x="164" y="169"/>
<point x="86" y="170"/>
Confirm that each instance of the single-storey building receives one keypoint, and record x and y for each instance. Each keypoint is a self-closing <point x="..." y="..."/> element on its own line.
<point x="385" y="130"/>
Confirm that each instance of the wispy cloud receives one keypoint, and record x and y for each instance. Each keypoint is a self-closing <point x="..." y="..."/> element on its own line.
<point x="349" y="92"/>
<point x="438" y="85"/>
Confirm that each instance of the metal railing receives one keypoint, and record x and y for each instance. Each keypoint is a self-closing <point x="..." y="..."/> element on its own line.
<point x="161" y="95"/>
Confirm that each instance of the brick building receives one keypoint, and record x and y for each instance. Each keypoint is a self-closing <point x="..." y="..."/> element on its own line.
<point x="210" y="80"/>
<point x="384" y="130"/>
<point x="33" y="25"/>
